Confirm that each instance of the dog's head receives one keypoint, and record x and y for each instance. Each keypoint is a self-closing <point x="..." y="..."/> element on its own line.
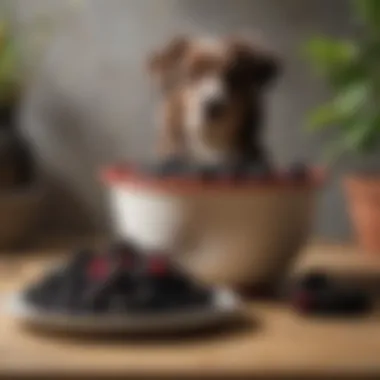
<point x="212" y="86"/>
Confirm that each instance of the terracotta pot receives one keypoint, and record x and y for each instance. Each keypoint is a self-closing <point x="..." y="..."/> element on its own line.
<point x="363" y="195"/>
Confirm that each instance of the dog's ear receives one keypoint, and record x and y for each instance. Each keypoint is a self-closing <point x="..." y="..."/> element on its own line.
<point x="266" y="67"/>
<point x="164" y="65"/>
<point x="261" y="65"/>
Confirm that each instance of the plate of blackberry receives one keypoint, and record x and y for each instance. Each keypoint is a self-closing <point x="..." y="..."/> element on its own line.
<point x="122" y="291"/>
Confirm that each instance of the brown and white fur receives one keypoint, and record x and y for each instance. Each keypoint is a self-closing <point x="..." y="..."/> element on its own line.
<point x="211" y="102"/>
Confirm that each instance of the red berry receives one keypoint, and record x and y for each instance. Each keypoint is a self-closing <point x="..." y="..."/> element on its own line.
<point x="303" y="301"/>
<point x="157" y="266"/>
<point x="98" y="268"/>
<point x="127" y="262"/>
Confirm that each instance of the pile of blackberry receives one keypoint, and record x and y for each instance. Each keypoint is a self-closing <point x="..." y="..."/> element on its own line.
<point x="122" y="280"/>
<point x="242" y="170"/>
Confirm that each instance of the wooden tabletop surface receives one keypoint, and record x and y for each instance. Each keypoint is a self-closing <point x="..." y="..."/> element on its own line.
<point x="276" y="343"/>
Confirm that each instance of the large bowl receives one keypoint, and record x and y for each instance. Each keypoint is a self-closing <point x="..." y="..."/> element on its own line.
<point x="233" y="233"/>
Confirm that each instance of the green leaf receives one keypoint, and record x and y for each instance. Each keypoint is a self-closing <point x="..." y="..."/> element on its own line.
<point x="9" y="70"/>
<point x="349" y="75"/>
<point x="323" y="117"/>
<point x="368" y="11"/>
<point x="8" y="62"/>
<point x="357" y="134"/>
<point x="352" y="98"/>
<point x="352" y="69"/>
<point x="352" y="140"/>
<point x="369" y="139"/>
<point x="341" y="110"/>
<point x="327" y="54"/>
<point x="361" y="135"/>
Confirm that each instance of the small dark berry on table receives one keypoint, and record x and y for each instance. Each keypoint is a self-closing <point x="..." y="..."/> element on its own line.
<point x="314" y="281"/>
<point x="346" y="301"/>
<point x="316" y="294"/>
<point x="304" y="301"/>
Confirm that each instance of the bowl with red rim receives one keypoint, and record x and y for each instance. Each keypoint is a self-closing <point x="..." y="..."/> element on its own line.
<point x="232" y="232"/>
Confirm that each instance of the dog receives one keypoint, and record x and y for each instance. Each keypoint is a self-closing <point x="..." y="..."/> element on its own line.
<point x="211" y="98"/>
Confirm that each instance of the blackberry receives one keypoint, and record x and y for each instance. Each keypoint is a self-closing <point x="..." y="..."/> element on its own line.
<point x="258" y="170"/>
<point x="298" y="171"/>
<point x="174" y="166"/>
<point x="341" y="301"/>
<point x="100" y="296"/>
<point x="317" y="294"/>
<point x="313" y="281"/>
<point x="43" y="293"/>
<point x="121" y="281"/>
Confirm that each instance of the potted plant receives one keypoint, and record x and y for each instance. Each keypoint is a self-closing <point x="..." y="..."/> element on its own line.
<point x="20" y="56"/>
<point x="352" y="69"/>
<point x="9" y="86"/>
<point x="20" y="193"/>
<point x="23" y="48"/>
<point x="15" y="158"/>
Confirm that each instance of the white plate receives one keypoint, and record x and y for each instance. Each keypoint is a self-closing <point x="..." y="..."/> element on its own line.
<point x="225" y="307"/>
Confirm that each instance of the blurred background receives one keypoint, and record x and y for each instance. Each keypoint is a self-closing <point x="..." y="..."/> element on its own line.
<point x="85" y="100"/>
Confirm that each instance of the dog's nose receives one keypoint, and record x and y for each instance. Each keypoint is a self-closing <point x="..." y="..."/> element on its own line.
<point x="214" y="109"/>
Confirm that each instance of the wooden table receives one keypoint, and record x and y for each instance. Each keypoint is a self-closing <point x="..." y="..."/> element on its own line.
<point x="277" y="343"/>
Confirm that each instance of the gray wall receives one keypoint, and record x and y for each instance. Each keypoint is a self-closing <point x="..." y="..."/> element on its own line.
<point x="91" y="102"/>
